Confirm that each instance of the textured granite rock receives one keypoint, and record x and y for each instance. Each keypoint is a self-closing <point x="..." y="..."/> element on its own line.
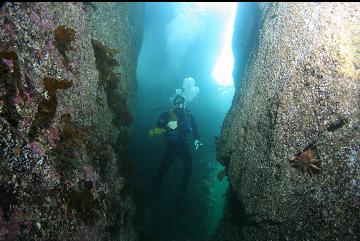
<point x="64" y="172"/>
<point x="296" y="110"/>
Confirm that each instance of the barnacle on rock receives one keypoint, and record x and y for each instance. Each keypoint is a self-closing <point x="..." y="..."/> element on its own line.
<point x="305" y="161"/>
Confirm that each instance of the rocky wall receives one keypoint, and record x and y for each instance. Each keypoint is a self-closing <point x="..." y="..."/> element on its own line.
<point x="291" y="140"/>
<point x="66" y="86"/>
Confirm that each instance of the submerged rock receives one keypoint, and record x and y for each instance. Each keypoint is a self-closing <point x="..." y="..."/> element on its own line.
<point x="64" y="172"/>
<point x="291" y="140"/>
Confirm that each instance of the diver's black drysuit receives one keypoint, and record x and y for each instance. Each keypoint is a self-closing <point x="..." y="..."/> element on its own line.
<point x="176" y="145"/>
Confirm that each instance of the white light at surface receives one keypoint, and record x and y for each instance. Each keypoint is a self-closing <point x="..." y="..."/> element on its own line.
<point x="223" y="69"/>
<point x="221" y="7"/>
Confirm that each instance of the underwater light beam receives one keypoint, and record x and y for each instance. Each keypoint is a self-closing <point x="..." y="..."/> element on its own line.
<point x="222" y="72"/>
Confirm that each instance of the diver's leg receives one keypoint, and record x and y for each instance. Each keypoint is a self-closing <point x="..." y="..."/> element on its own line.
<point x="187" y="162"/>
<point x="180" y="205"/>
<point x="166" y="162"/>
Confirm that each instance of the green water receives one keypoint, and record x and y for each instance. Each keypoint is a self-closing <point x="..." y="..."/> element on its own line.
<point x="219" y="190"/>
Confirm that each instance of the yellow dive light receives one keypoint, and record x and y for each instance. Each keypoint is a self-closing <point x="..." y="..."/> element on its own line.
<point x="156" y="131"/>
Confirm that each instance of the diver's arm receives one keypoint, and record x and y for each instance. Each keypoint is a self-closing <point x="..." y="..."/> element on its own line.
<point x="163" y="120"/>
<point x="195" y="131"/>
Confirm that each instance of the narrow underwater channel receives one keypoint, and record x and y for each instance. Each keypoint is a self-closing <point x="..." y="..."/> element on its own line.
<point x="182" y="42"/>
<point x="263" y="110"/>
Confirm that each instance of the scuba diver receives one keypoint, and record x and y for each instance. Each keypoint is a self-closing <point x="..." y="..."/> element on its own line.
<point x="176" y="123"/>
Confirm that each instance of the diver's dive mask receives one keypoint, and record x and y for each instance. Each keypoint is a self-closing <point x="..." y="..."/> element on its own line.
<point x="179" y="101"/>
